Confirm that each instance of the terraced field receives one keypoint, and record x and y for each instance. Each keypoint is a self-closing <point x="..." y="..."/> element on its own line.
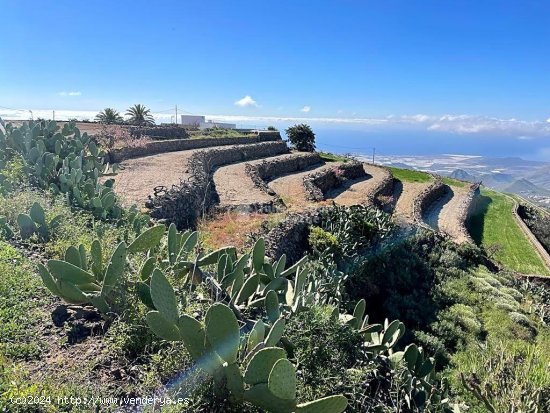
<point x="446" y="216"/>
<point x="408" y="186"/>
<point x="291" y="189"/>
<point x="236" y="188"/>
<point x="359" y="191"/>
<point x="494" y="225"/>
<point x="137" y="177"/>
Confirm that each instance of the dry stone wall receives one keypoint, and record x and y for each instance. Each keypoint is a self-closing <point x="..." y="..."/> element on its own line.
<point x="162" y="132"/>
<point x="318" y="183"/>
<point x="380" y="196"/>
<point x="263" y="172"/>
<point x="185" y="203"/>
<point x="173" y="145"/>
<point x="290" y="236"/>
<point x="431" y="194"/>
<point x="468" y="208"/>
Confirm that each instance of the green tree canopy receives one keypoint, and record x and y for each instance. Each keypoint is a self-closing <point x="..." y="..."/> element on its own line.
<point x="301" y="137"/>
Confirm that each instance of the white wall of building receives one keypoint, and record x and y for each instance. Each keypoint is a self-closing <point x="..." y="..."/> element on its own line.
<point x="211" y="124"/>
<point x="192" y="120"/>
<point x="202" y="123"/>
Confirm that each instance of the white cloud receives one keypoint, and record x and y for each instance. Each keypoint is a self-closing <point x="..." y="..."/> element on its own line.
<point x="305" y="109"/>
<point x="73" y="93"/>
<point x="455" y="124"/>
<point x="247" y="101"/>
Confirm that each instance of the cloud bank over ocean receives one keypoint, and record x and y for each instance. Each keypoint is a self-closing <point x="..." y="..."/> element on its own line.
<point x="454" y="124"/>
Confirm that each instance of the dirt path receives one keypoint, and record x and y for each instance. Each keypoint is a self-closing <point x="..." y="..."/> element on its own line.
<point x="358" y="191"/>
<point x="137" y="177"/>
<point x="406" y="193"/>
<point x="290" y="187"/>
<point x="446" y="215"/>
<point x="235" y="187"/>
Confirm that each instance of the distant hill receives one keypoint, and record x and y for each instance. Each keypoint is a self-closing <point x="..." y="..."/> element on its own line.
<point x="497" y="180"/>
<point x="540" y="177"/>
<point x="463" y="175"/>
<point x="525" y="187"/>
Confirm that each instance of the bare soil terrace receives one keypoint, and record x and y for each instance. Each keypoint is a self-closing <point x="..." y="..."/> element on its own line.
<point x="445" y="214"/>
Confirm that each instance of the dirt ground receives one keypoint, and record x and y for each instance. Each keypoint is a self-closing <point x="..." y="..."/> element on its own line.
<point x="291" y="189"/>
<point x="137" y="177"/>
<point x="445" y="214"/>
<point x="406" y="193"/>
<point x="358" y="191"/>
<point x="235" y="187"/>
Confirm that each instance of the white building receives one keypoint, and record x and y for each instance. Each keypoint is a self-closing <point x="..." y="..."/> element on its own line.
<point x="202" y="123"/>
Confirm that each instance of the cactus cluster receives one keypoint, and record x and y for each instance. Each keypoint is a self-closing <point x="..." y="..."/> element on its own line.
<point x="84" y="277"/>
<point x="64" y="161"/>
<point x="5" y="229"/>
<point x="269" y="378"/>
<point x="419" y="378"/>
<point x="379" y="338"/>
<point x="35" y="222"/>
<point x="246" y="358"/>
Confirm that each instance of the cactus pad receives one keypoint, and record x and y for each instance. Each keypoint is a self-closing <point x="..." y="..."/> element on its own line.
<point x="222" y="331"/>
<point x="282" y="380"/>
<point x="261" y="364"/>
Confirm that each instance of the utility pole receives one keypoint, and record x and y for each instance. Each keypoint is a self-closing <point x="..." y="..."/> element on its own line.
<point x="176" y="114"/>
<point x="53" y="115"/>
<point x="373" y="152"/>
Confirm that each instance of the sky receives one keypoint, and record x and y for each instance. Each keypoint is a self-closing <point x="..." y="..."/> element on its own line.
<point x="396" y="68"/>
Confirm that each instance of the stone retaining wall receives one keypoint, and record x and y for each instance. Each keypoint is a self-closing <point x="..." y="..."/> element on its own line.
<point x="384" y="189"/>
<point x="290" y="236"/>
<point x="431" y="194"/>
<point x="163" y="132"/>
<point x="468" y="208"/>
<point x="318" y="183"/>
<point x="185" y="203"/>
<point x="262" y="173"/>
<point x="173" y="145"/>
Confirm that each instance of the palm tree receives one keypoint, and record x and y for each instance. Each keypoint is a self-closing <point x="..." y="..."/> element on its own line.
<point x="140" y="115"/>
<point x="109" y="115"/>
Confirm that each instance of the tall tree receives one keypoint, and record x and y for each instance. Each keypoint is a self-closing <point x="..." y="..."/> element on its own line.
<point x="301" y="137"/>
<point x="109" y="116"/>
<point x="140" y="115"/>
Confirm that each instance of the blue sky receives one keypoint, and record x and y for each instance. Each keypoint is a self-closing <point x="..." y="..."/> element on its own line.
<point x="486" y="63"/>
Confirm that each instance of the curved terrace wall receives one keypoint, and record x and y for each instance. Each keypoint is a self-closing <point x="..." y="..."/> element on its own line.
<point x="173" y="145"/>
<point x="427" y="197"/>
<point x="318" y="183"/>
<point x="185" y="203"/>
<point x="290" y="236"/>
<point x="384" y="189"/>
<point x="467" y="208"/>
<point x="262" y="173"/>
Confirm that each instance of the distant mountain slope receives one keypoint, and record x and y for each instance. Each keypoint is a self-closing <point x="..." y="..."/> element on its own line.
<point x="525" y="187"/>
<point x="463" y="175"/>
<point x="540" y="177"/>
<point x="497" y="180"/>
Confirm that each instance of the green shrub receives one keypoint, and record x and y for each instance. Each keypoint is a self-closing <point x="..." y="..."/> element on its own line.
<point x="301" y="137"/>
<point x="326" y="350"/>
<point x="507" y="376"/>
<point x="323" y="241"/>
<point x="356" y="227"/>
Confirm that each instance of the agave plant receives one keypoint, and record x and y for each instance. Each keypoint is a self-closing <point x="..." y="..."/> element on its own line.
<point x="109" y="116"/>
<point x="140" y="115"/>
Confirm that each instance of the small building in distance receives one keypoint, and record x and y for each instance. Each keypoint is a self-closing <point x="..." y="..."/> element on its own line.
<point x="201" y="122"/>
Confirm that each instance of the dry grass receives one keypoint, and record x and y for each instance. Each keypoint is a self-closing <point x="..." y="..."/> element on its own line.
<point x="232" y="228"/>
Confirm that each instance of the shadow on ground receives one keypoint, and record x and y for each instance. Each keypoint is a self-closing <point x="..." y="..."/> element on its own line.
<point x="476" y="221"/>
